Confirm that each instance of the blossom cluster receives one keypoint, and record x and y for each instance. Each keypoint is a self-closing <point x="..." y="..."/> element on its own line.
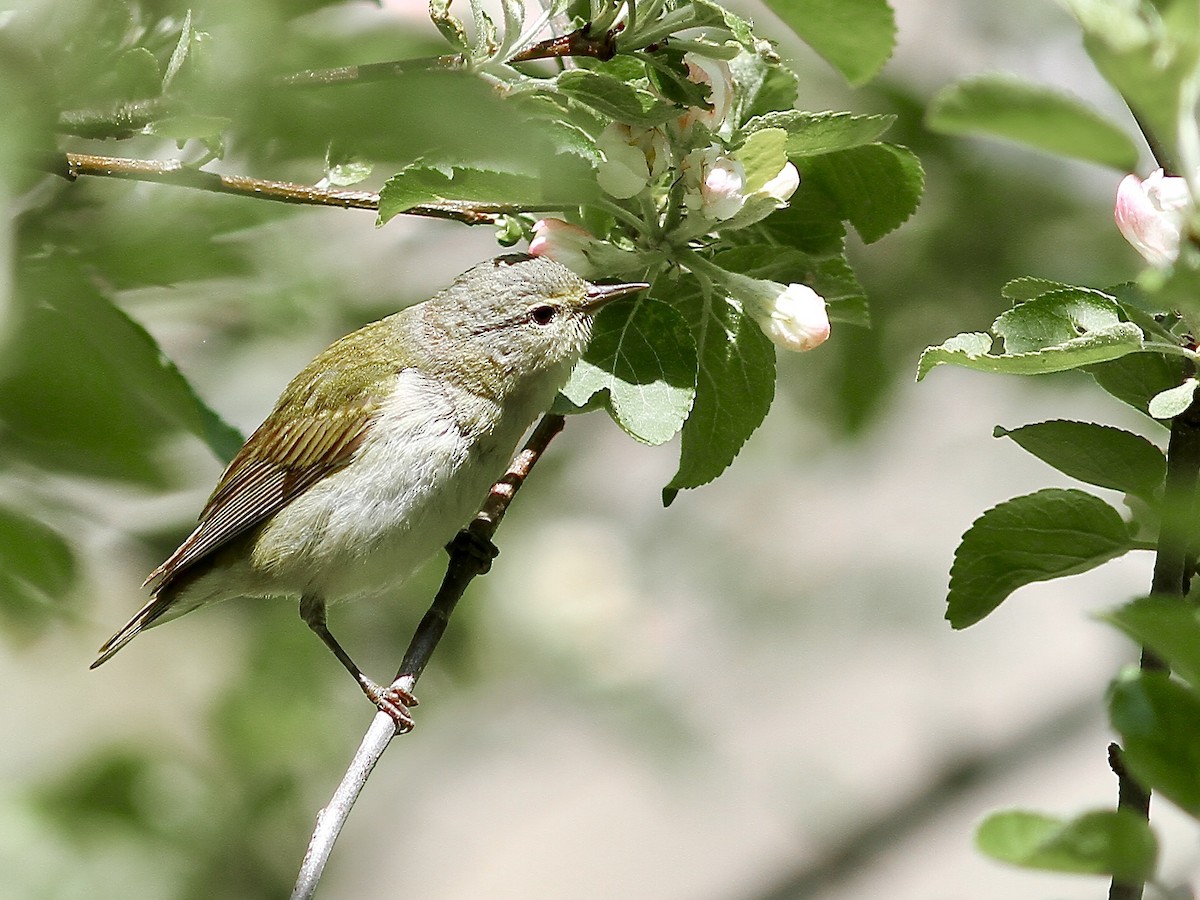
<point x="715" y="188"/>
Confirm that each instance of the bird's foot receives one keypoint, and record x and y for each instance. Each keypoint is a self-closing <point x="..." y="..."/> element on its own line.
<point x="393" y="700"/>
<point x="481" y="549"/>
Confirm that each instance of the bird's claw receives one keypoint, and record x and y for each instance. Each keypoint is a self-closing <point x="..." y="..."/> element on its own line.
<point x="393" y="700"/>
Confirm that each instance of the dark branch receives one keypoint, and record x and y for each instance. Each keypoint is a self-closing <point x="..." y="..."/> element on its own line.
<point x="577" y="43"/>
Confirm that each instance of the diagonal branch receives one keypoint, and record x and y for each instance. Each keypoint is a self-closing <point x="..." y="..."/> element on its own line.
<point x="171" y="171"/>
<point x="464" y="565"/>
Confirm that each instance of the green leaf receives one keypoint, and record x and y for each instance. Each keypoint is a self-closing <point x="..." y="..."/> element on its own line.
<point x="1173" y="401"/>
<point x="1159" y="723"/>
<point x="1169" y="626"/>
<point x="1064" y="329"/>
<point x="81" y="349"/>
<point x="1109" y="842"/>
<point x="875" y="187"/>
<point x="1037" y="537"/>
<point x="734" y="388"/>
<point x="760" y="88"/>
<point x="762" y="156"/>
<point x="1055" y="318"/>
<point x="36" y="570"/>
<point x="970" y="351"/>
<point x="614" y="98"/>
<point x="1007" y="107"/>
<point x="569" y="185"/>
<point x="1030" y="288"/>
<point x="1148" y="52"/>
<point x="643" y="356"/>
<point x="1097" y="454"/>
<point x="856" y="37"/>
<point x="1137" y="378"/>
<point x="137" y="75"/>
<point x="814" y="133"/>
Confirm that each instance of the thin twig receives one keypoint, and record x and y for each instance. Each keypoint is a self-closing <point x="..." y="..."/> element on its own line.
<point x="464" y="565"/>
<point x="171" y="171"/>
<point x="370" y="72"/>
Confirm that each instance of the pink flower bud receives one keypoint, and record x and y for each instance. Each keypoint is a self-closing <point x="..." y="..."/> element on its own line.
<point x="562" y="242"/>
<point x="1151" y="215"/>
<point x="794" y="319"/>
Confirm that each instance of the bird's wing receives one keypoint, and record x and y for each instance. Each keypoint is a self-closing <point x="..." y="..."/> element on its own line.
<point x="285" y="456"/>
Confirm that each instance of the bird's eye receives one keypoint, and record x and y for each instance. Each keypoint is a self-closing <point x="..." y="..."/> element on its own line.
<point x="542" y="314"/>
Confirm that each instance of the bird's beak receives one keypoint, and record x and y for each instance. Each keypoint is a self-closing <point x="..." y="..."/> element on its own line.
<point x="600" y="294"/>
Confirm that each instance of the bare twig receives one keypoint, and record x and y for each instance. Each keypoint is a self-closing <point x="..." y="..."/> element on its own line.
<point x="580" y="42"/>
<point x="369" y="72"/>
<point x="174" y="172"/>
<point x="464" y="565"/>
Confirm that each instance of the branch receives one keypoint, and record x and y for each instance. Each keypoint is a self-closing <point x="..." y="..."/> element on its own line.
<point x="171" y="171"/>
<point x="1171" y="578"/>
<point x="464" y="565"/>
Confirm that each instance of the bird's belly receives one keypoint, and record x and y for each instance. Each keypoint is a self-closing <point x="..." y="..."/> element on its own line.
<point x="364" y="529"/>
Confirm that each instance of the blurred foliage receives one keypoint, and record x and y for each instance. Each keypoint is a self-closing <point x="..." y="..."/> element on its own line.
<point x="87" y="400"/>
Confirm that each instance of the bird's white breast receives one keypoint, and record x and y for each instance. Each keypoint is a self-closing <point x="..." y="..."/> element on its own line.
<point x="423" y="469"/>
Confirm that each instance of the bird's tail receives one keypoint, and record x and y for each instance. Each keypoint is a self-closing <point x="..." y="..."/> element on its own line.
<point x="143" y="619"/>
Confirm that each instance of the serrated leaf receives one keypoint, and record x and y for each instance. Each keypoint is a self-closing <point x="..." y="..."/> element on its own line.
<point x="875" y="187"/>
<point x="1169" y="626"/>
<point x="969" y="351"/>
<point x="37" y="568"/>
<point x="1108" y="842"/>
<point x="1159" y="723"/>
<point x="734" y="388"/>
<point x="1040" y="117"/>
<point x="1173" y="401"/>
<point x="856" y="37"/>
<point x="1029" y="288"/>
<point x="1096" y="454"/>
<point x="1037" y="537"/>
<point x="642" y="354"/>
<point x="615" y="99"/>
<point x="421" y="185"/>
<point x="814" y="133"/>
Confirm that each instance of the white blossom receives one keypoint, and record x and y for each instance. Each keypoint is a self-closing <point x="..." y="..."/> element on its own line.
<point x="633" y="158"/>
<point x="716" y="76"/>
<point x="714" y="184"/>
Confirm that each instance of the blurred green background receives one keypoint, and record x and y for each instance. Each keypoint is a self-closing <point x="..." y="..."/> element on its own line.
<point x="751" y="694"/>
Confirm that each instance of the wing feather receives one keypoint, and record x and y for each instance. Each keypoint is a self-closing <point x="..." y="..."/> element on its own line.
<point x="282" y="459"/>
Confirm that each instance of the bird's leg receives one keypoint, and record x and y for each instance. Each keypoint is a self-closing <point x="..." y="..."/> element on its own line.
<point x="467" y="541"/>
<point x="391" y="700"/>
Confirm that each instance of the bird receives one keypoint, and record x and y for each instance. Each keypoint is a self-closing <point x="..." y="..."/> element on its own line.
<point x="380" y="450"/>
